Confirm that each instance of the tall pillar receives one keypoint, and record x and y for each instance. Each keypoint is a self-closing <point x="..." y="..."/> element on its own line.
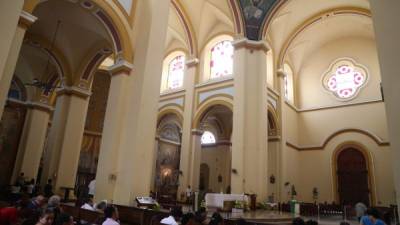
<point x="282" y="151"/>
<point x="10" y="12"/>
<point x="195" y="160"/>
<point x="114" y="123"/>
<point x="250" y="119"/>
<point x="135" y="162"/>
<point x="65" y="137"/>
<point x="190" y="80"/>
<point x="32" y="141"/>
<point x="25" y="20"/>
<point x="385" y="17"/>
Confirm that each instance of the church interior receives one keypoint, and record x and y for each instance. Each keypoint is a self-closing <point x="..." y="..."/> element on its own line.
<point x="193" y="101"/>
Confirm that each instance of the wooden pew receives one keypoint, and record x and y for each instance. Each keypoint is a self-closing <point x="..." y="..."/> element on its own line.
<point x="130" y="215"/>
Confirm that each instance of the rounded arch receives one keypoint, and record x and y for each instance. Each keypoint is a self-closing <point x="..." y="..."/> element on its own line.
<point x="273" y="128"/>
<point x="207" y="104"/>
<point x="166" y="70"/>
<point x="369" y="166"/>
<point x="170" y="109"/>
<point x="237" y="17"/>
<point x="117" y="26"/>
<point x="205" y="60"/>
<point x="313" y="20"/>
<point x="17" y="89"/>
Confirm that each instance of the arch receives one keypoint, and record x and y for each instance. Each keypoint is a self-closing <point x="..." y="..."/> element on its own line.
<point x="170" y="110"/>
<point x="17" y="89"/>
<point x="268" y="19"/>
<point x="188" y="27"/>
<point x="202" y="109"/>
<point x="272" y="122"/>
<point x="315" y="19"/>
<point x="166" y="72"/>
<point x="237" y="17"/>
<point x="205" y="73"/>
<point x="117" y="27"/>
<point x="369" y="166"/>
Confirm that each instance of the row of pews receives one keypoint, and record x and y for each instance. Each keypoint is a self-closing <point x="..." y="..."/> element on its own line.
<point x="127" y="215"/>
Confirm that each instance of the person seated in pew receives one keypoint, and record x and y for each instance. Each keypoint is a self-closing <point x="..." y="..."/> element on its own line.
<point x="47" y="218"/>
<point x="64" y="219"/>
<point x="188" y="219"/>
<point x="298" y="221"/>
<point x="88" y="204"/>
<point x="373" y="217"/>
<point x="173" y="217"/>
<point x="111" y="216"/>
<point x="101" y="206"/>
<point x="216" y="219"/>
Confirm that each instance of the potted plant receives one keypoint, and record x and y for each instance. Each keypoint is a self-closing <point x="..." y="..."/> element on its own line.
<point x="238" y="207"/>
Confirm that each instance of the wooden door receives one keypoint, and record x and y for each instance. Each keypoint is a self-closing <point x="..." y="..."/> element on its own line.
<point x="353" y="179"/>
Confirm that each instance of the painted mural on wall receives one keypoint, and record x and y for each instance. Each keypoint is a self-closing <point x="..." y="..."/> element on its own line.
<point x="11" y="125"/>
<point x="254" y="12"/>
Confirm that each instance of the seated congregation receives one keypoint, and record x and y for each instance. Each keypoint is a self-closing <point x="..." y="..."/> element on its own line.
<point x="195" y="112"/>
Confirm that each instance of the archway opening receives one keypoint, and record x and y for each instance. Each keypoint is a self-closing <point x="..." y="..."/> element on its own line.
<point x="216" y="151"/>
<point x="353" y="177"/>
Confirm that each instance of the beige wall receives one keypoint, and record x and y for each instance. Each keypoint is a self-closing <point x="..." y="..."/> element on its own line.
<point x="218" y="159"/>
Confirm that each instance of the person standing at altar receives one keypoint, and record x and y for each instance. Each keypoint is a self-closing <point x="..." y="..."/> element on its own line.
<point x="92" y="188"/>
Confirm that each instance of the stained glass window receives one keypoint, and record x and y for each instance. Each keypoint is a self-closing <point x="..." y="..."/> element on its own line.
<point x="345" y="79"/>
<point x="175" y="72"/>
<point x="208" y="138"/>
<point x="221" y="63"/>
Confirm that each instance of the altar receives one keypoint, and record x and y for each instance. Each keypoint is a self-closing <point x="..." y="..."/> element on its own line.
<point x="215" y="200"/>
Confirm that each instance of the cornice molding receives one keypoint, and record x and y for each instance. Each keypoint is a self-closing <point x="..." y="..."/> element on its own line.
<point x="119" y="68"/>
<point x="197" y="132"/>
<point x="251" y="45"/>
<point x="40" y="106"/>
<point x="379" y="141"/>
<point x="26" y="19"/>
<point x="192" y="62"/>
<point x="79" y="92"/>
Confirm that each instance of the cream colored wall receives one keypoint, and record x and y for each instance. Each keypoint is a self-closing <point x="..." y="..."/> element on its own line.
<point x="310" y="90"/>
<point x="310" y="128"/>
<point x="218" y="159"/>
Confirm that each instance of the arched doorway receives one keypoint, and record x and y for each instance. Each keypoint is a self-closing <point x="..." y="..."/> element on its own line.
<point x="353" y="176"/>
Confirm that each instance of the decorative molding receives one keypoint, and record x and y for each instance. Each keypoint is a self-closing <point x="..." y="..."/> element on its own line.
<point x="40" y="106"/>
<point x="197" y="132"/>
<point x="79" y="92"/>
<point x="281" y="73"/>
<point x="274" y="138"/>
<point x="167" y="141"/>
<point x="92" y="133"/>
<point x="192" y="62"/>
<point x="332" y="106"/>
<point x="374" y="137"/>
<point x="26" y="19"/>
<point x="249" y="44"/>
<point x="119" y="68"/>
<point x="214" y="82"/>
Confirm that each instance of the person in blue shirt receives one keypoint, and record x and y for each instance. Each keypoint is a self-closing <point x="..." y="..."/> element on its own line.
<point x="373" y="217"/>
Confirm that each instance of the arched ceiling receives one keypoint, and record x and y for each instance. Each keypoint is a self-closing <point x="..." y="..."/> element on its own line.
<point x="80" y="33"/>
<point x="218" y="117"/>
<point x="207" y="19"/>
<point x="294" y="14"/>
<point x="324" y="32"/>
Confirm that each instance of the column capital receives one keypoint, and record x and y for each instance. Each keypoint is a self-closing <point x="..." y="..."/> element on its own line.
<point x="121" y="67"/>
<point x="281" y="73"/>
<point x="192" y="61"/>
<point x="79" y="92"/>
<point x="26" y="19"/>
<point x="250" y="44"/>
<point x="40" y="106"/>
<point x="197" y="132"/>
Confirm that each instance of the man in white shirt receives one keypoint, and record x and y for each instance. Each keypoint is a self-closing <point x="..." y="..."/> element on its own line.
<point x="92" y="188"/>
<point x="111" y="215"/>
<point x="88" y="205"/>
<point x="172" y="218"/>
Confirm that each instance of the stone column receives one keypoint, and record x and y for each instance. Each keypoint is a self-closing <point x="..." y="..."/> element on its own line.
<point x="282" y="151"/>
<point x="114" y="123"/>
<point x="25" y="20"/>
<point x="385" y="17"/>
<point x="195" y="159"/>
<point x="190" y="80"/>
<point x="65" y="137"/>
<point x="135" y="161"/>
<point x="10" y="13"/>
<point x="32" y="141"/>
<point x="250" y="119"/>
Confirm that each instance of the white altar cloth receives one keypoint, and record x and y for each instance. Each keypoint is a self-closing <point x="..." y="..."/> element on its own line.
<point x="217" y="200"/>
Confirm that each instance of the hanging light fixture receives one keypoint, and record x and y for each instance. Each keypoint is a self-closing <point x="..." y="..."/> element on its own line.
<point x="47" y="86"/>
